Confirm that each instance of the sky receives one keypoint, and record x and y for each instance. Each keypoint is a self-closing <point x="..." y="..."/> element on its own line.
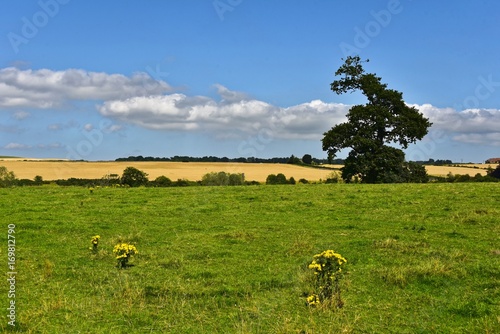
<point x="99" y="80"/>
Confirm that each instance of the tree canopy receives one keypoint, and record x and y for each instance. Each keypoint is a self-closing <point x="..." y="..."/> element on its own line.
<point x="374" y="128"/>
<point x="134" y="177"/>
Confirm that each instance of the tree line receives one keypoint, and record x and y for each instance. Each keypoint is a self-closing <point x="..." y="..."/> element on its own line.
<point x="133" y="177"/>
<point x="306" y="159"/>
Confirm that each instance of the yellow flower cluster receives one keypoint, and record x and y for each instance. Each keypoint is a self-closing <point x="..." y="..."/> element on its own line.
<point x="95" y="239"/>
<point x="124" y="250"/>
<point x="313" y="300"/>
<point x="329" y="254"/>
<point x="328" y="259"/>
<point x="316" y="266"/>
<point x="327" y="268"/>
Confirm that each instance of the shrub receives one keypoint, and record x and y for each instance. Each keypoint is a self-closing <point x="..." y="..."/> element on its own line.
<point x="215" y="179"/>
<point x="162" y="181"/>
<point x="38" y="180"/>
<point x="271" y="179"/>
<point x="276" y="179"/>
<point x="222" y="179"/>
<point x="495" y="173"/>
<point x="7" y="179"/>
<point x="134" y="177"/>
<point x="182" y="183"/>
<point x="95" y="243"/>
<point x="123" y="251"/>
<point x="416" y="173"/>
<point x="281" y="179"/>
<point x="333" y="177"/>
<point x="328" y="272"/>
<point x="236" y="179"/>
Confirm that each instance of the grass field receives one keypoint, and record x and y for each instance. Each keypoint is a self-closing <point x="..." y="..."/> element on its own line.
<point x="422" y="258"/>
<point x="193" y="171"/>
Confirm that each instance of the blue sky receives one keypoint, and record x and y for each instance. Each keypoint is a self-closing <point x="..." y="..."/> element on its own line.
<point x="238" y="78"/>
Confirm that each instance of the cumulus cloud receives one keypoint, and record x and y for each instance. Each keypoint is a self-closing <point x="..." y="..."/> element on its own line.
<point x="50" y="146"/>
<point x="477" y="126"/>
<point x="235" y="114"/>
<point x="115" y="128"/>
<point x="20" y="115"/>
<point x="149" y="103"/>
<point x="16" y="146"/>
<point x="55" y="127"/>
<point x="47" y="89"/>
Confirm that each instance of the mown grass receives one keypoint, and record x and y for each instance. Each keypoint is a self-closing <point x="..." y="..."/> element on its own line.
<point x="421" y="258"/>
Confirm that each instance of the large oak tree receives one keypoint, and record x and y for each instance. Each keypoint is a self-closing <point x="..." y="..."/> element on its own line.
<point x="373" y="129"/>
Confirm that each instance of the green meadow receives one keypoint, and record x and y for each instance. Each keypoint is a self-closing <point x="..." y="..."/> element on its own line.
<point x="421" y="258"/>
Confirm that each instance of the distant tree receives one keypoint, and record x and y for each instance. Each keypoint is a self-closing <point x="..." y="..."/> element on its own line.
<point x="281" y="179"/>
<point x="271" y="179"/>
<point x="416" y="173"/>
<point x="162" y="181"/>
<point x="7" y="179"/>
<point x="38" y="180"/>
<point x="462" y="178"/>
<point x="333" y="177"/>
<point x="495" y="173"/>
<point x="134" y="177"/>
<point x="307" y="159"/>
<point x="215" y="179"/>
<point x="276" y="179"/>
<point x="293" y="160"/>
<point x="370" y="128"/>
<point x="478" y="177"/>
<point x="236" y="179"/>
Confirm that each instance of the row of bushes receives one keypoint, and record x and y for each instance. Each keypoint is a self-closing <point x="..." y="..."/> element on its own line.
<point x="467" y="178"/>
<point x="132" y="177"/>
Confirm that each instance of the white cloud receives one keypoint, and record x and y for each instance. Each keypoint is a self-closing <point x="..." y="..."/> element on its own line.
<point x="47" y="89"/>
<point x="115" y="128"/>
<point x="54" y="127"/>
<point x="143" y="101"/>
<point x="238" y="115"/>
<point x="50" y="146"/>
<point x="477" y="126"/>
<point x="20" y="115"/>
<point x="16" y="146"/>
<point x="234" y="115"/>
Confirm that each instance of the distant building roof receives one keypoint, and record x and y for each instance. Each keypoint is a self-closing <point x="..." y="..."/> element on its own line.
<point x="493" y="161"/>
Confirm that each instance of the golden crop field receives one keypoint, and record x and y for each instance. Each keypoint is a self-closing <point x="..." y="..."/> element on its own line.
<point x="54" y="170"/>
<point x="444" y="170"/>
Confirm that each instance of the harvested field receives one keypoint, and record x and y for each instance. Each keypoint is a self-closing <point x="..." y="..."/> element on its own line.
<point x="444" y="170"/>
<point x="471" y="169"/>
<point x="54" y="170"/>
